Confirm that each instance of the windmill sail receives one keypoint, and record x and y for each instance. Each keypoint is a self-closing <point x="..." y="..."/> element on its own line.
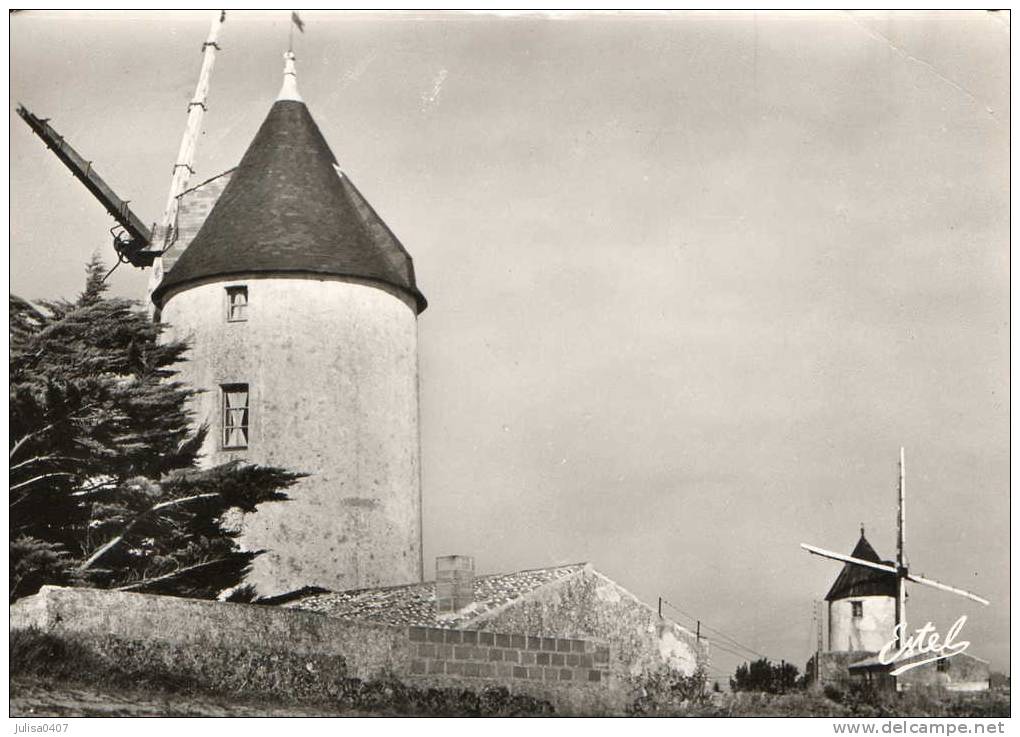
<point x="848" y="558"/>
<point x="943" y="587"/>
<point x="892" y="569"/>
<point x="134" y="237"/>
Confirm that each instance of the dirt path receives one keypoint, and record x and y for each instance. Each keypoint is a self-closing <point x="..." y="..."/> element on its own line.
<point x="37" y="699"/>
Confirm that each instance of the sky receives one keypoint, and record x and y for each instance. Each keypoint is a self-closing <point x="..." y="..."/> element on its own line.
<point x="693" y="278"/>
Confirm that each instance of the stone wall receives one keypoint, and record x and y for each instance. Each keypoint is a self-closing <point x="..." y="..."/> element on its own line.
<point x="367" y="648"/>
<point x="834" y="667"/>
<point x="573" y="674"/>
<point x="589" y="605"/>
<point x="959" y="673"/>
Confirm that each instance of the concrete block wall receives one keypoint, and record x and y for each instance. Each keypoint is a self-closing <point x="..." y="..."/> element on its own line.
<point x="507" y="658"/>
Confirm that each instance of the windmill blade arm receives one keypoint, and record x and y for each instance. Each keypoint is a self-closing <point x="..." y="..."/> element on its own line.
<point x="944" y="587"/>
<point x="83" y="172"/>
<point x="847" y="558"/>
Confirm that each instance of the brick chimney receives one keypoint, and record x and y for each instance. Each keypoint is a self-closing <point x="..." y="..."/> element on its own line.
<point x="455" y="582"/>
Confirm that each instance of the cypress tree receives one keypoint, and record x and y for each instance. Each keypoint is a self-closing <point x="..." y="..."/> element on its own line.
<point x="105" y="489"/>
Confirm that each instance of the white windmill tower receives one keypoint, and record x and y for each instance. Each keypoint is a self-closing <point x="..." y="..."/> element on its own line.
<point x="900" y="568"/>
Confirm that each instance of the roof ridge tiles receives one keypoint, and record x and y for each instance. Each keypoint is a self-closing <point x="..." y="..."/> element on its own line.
<point x="415" y="603"/>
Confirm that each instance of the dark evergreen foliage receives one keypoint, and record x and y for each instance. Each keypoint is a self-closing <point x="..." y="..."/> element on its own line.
<point x="104" y="488"/>
<point x="765" y="676"/>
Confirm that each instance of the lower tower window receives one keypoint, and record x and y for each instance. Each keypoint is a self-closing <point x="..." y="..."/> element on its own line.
<point x="235" y="415"/>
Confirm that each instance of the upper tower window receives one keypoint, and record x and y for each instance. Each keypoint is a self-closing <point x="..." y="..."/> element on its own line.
<point x="237" y="304"/>
<point x="857" y="609"/>
<point x="235" y="415"/>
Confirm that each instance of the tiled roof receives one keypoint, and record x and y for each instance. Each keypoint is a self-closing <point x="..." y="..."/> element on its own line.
<point x="289" y="209"/>
<point x="855" y="580"/>
<point x="416" y="603"/>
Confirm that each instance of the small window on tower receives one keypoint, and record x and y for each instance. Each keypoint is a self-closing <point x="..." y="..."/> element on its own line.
<point x="857" y="609"/>
<point x="237" y="304"/>
<point x="235" y="416"/>
<point x="942" y="665"/>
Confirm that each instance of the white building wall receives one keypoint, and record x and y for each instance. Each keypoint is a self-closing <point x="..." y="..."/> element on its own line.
<point x="869" y="632"/>
<point x="332" y="371"/>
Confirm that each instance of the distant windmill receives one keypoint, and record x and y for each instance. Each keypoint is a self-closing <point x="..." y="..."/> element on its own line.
<point x="900" y="569"/>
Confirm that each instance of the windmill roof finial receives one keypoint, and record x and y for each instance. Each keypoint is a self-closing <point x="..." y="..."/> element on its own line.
<point x="862" y="529"/>
<point x="289" y="90"/>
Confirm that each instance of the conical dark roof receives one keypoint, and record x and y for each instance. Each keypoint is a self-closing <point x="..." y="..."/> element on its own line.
<point x="855" y="580"/>
<point x="289" y="209"/>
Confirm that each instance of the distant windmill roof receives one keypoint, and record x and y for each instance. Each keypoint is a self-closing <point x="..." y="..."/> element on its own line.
<point x="288" y="209"/>
<point x="855" y="580"/>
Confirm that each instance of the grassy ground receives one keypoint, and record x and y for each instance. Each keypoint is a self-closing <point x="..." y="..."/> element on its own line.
<point x="39" y="697"/>
<point x="72" y="676"/>
<point x="989" y="704"/>
<point x="35" y="697"/>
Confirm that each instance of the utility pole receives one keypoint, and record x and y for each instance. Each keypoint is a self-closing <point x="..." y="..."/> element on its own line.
<point x="901" y="565"/>
<point x="820" y="645"/>
<point x="816" y="616"/>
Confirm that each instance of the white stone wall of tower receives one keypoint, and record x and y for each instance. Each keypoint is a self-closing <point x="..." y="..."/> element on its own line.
<point x="869" y="632"/>
<point x="332" y="371"/>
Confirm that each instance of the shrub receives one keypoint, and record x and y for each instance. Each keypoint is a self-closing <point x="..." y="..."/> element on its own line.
<point x="667" y="692"/>
<point x="392" y="695"/>
<point x="833" y="692"/>
<point x="865" y="700"/>
<point x="765" y="676"/>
